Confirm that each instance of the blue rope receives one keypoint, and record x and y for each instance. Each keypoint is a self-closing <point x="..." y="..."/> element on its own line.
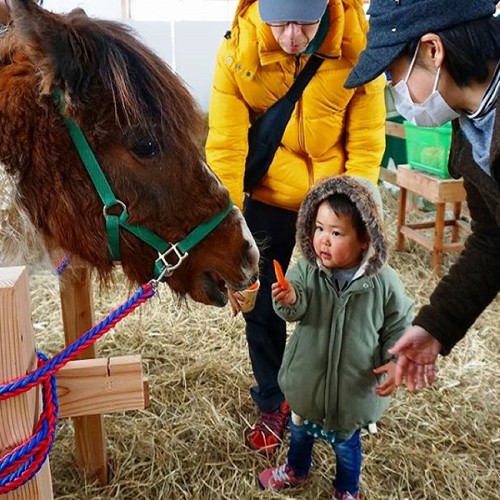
<point x="41" y="373"/>
<point x="63" y="265"/>
<point x="28" y="454"/>
<point x="45" y="433"/>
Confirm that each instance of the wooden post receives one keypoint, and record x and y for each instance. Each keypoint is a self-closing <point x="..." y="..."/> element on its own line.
<point x="77" y="312"/>
<point x="126" y="9"/>
<point x="19" y="414"/>
<point x="401" y="219"/>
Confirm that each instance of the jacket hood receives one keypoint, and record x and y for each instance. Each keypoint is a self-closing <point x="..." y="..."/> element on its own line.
<point x="366" y="197"/>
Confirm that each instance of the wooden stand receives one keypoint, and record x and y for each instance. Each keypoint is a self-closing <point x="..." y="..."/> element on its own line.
<point x="438" y="191"/>
<point x="85" y="388"/>
<point x="18" y="415"/>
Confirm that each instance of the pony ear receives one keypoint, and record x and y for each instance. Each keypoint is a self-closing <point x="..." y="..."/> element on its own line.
<point x="52" y="43"/>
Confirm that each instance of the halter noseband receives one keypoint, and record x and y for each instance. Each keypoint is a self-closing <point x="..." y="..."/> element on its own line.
<point x="180" y="250"/>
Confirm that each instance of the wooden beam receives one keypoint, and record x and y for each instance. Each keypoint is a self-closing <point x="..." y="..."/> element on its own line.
<point x="77" y="312"/>
<point x="430" y="187"/>
<point x="388" y="176"/>
<point x="126" y="9"/>
<point x="394" y="129"/>
<point x="19" y="414"/>
<point x="102" y="385"/>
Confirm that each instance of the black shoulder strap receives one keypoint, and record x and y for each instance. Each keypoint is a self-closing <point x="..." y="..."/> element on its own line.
<point x="304" y="77"/>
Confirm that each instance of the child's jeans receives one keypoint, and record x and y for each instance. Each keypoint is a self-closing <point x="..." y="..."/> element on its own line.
<point x="347" y="452"/>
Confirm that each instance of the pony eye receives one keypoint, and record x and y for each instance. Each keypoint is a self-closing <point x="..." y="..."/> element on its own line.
<point x="146" y="148"/>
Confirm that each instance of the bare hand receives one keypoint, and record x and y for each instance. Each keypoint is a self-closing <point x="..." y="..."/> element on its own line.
<point x="417" y="351"/>
<point x="234" y="300"/>
<point x="284" y="295"/>
<point x="387" y="387"/>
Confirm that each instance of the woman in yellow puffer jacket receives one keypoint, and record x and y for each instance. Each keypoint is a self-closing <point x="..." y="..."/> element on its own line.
<point x="331" y="131"/>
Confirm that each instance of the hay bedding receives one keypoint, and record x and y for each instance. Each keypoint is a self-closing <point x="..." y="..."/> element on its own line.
<point x="189" y="444"/>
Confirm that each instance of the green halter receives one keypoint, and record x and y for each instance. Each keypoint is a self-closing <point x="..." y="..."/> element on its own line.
<point x="165" y="249"/>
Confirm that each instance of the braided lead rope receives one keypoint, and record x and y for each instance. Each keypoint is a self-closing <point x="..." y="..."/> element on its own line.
<point x="22" y="463"/>
<point x="61" y="267"/>
<point x="35" y="377"/>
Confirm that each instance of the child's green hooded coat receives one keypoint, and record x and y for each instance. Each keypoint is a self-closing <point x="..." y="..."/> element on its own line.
<point x="327" y="371"/>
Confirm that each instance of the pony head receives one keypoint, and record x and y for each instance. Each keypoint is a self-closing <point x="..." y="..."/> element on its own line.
<point x="142" y="125"/>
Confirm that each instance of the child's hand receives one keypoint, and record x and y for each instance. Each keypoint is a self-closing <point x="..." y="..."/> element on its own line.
<point x="386" y="388"/>
<point x="284" y="295"/>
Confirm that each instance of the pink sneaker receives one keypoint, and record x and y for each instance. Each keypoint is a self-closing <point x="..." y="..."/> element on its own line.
<point x="277" y="478"/>
<point x="344" y="495"/>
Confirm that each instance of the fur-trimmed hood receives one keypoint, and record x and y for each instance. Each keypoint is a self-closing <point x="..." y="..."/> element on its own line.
<point x="366" y="196"/>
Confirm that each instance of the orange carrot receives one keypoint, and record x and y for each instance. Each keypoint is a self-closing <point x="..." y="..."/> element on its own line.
<point x="279" y="275"/>
<point x="255" y="286"/>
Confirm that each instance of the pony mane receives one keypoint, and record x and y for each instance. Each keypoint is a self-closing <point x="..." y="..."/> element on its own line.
<point x="97" y="55"/>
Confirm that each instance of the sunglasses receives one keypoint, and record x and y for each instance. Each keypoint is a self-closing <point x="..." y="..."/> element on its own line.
<point x="283" y="24"/>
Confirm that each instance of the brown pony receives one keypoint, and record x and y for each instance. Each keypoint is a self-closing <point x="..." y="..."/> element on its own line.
<point x="140" y="122"/>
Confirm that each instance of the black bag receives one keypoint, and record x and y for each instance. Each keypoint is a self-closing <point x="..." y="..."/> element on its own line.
<point x="264" y="135"/>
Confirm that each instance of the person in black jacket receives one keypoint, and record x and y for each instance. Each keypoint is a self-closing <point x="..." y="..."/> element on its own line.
<point x="443" y="60"/>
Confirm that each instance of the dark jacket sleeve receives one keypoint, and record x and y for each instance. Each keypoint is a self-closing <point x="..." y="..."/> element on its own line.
<point x="472" y="282"/>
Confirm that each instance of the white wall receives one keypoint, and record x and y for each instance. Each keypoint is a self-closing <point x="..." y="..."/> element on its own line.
<point x="109" y="9"/>
<point x="157" y="35"/>
<point x="196" y="46"/>
<point x="189" y="47"/>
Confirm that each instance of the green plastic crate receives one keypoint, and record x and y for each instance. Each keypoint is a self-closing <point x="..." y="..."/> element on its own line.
<point x="428" y="148"/>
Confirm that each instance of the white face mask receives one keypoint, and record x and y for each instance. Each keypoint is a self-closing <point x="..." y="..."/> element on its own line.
<point x="433" y="112"/>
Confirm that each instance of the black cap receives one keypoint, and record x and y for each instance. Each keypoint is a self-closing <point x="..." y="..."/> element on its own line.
<point x="394" y="23"/>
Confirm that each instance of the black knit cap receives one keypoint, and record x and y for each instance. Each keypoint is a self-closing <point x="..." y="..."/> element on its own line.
<point x="394" y="23"/>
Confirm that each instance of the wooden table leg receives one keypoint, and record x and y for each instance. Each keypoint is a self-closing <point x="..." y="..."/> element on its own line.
<point x="438" y="237"/>
<point x="401" y="219"/>
<point x="457" y="209"/>
<point x="77" y="311"/>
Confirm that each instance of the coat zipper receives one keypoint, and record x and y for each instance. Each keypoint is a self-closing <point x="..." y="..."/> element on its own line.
<point x="300" y="123"/>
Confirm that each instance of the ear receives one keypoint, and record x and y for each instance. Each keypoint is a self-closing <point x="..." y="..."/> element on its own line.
<point x="54" y="46"/>
<point x="432" y="48"/>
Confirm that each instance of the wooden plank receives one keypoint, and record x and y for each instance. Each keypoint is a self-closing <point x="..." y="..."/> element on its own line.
<point x="388" y="176"/>
<point x="394" y="129"/>
<point x="19" y="414"/>
<point x="431" y="223"/>
<point x="430" y="187"/>
<point x="418" y="237"/>
<point x="422" y="225"/>
<point x="453" y="247"/>
<point x="76" y="304"/>
<point x="91" y="386"/>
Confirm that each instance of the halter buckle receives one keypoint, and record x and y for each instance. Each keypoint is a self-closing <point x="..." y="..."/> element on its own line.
<point x="168" y="268"/>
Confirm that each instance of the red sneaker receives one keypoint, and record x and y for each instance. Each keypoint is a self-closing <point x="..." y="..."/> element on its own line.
<point x="277" y="478"/>
<point x="267" y="433"/>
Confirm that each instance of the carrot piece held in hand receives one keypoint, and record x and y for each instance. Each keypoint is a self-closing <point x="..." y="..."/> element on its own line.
<point x="280" y="275"/>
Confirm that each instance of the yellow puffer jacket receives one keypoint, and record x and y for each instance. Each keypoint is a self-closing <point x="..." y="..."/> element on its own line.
<point x="332" y="129"/>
